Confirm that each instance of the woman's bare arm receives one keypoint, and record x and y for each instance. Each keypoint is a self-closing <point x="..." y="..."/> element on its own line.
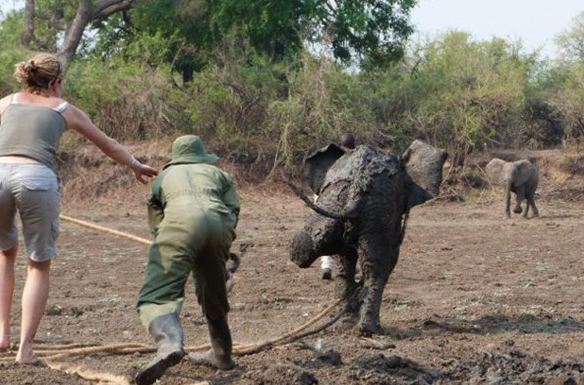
<point x="79" y="121"/>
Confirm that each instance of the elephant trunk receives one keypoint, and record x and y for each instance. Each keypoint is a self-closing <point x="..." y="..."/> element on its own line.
<point x="302" y="249"/>
<point x="508" y="188"/>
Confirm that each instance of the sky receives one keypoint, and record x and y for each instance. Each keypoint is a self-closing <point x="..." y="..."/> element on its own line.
<point x="535" y="22"/>
<point x="6" y="5"/>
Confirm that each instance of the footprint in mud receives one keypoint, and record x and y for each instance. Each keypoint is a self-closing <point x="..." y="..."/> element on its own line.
<point x="515" y="367"/>
<point x="321" y="359"/>
<point x="56" y="310"/>
<point x="376" y="368"/>
<point x="281" y="375"/>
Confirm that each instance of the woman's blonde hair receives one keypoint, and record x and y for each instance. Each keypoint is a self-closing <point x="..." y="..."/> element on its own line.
<point x="36" y="74"/>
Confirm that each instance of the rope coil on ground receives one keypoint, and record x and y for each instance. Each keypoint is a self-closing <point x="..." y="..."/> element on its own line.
<point x="52" y="353"/>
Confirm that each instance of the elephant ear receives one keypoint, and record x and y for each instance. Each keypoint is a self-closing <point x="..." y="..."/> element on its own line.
<point x="416" y="195"/>
<point x="424" y="164"/>
<point x="318" y="163"/>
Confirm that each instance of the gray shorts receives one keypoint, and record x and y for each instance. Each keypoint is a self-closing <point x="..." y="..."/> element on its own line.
<point x="35" y="192"/>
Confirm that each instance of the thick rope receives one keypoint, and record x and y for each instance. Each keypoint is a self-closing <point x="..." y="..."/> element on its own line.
<point x="295" y="334"/>
<point x="104" y="229"/>
<point x="90" y="374"/>
<point x="58" y="353"/>
<point x="131" y="348"/>
<point x="51" y="353"/>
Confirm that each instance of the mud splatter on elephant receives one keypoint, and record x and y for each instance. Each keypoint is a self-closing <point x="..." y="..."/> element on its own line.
<point x="520" y="177"/>
<point x="364" y="199"/>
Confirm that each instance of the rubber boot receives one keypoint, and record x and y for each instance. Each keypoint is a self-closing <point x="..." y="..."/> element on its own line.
<point x="219" y="356"/>
<point x="168" y="334"/>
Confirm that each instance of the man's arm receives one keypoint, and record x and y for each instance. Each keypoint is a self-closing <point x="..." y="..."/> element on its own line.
<point x="155" y="207"/>
<point x="231" y="198"/>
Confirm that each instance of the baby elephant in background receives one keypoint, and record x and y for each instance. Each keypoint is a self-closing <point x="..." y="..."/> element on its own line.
<point x="520" y="177"/>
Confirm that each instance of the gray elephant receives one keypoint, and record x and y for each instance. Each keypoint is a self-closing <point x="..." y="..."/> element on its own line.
<point x="520" y="177"/>
<point x="365" y="196"/>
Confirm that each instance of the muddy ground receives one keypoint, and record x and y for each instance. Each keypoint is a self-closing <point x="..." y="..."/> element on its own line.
<point x="474" y="299"/>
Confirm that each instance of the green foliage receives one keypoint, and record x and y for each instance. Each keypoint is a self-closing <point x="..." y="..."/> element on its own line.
<point x="567" y="100"/>
<point x="454" y="92"/>
<point x="323" y="102"/>
<point x="230" y="98"/>
<point x="126" y="99"/>
<point x="572" y="40"/>
<point x="10" y="30"/>
<point x="10" y="52"/>
<point x="370" y="32"/>
<point x="542" y="122"/>
<point x="8" y="58"/>
<point x="185" y="26"/>
<point x="281" y="20"/>
<point x="236" y="73"/>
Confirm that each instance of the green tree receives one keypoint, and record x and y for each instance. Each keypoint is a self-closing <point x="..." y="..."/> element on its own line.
<point x="59" y="25"/>
<point x="572" y="41"/>
<point x="566" y="97"/>
<point x="10" y="51"/>
<point x="371" y="33"/>
<point x="454" y="92"/>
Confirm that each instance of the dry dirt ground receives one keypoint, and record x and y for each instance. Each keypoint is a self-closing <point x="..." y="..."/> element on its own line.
<point x="474" y="299"/>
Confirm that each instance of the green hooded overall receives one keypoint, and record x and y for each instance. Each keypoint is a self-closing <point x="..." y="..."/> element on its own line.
<point x="193" y="209"/>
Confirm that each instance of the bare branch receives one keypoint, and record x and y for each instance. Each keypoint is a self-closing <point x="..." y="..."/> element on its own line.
<point x="108" y="7"/>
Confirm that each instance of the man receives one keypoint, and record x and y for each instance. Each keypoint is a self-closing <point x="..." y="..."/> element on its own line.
<point x="193" y="210"/>
<point x="327" y="263"/>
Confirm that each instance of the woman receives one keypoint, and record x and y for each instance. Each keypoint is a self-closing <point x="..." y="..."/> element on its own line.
<point x="31" y="124"/>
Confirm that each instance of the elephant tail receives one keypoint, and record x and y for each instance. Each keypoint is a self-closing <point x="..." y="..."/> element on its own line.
<point x="232" y="264"/>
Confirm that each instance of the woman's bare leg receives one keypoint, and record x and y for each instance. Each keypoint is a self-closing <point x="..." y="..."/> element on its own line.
<point x="7" y="258"/>
<point x="34" y="301"/>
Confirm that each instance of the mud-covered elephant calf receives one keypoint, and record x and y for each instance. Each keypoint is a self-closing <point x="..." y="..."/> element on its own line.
<point x="520" y="177"/>
<point x="364" y="199"/>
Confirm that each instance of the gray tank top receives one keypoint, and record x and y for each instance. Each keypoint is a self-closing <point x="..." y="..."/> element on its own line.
<point x="32" y="131"/>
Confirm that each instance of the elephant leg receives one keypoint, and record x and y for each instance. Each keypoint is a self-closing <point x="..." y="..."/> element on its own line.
<point x="345" y="284"/>
<point x="519" y="196"/>
<point x="531" y="202"/>
<point x="376" y="272"/>
<point x="508" y="199"/>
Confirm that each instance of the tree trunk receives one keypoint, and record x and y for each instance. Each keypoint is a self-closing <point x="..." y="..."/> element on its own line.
<point x="74" y="33"/>
<point x="87" y="11"/>
<point x="28" y="33"/>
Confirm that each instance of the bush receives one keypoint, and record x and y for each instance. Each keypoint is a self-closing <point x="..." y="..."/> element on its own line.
<point x="230" y="98"/>
<point x="454" y="93"/>
<point x="323" y="102"/>
<point x="126" y="99"/>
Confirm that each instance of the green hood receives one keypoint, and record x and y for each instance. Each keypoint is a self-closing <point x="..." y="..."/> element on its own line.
<point x="190" y="149"/>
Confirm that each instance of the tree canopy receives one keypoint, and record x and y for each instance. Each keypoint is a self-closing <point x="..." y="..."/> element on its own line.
<point x="363" y="32"/>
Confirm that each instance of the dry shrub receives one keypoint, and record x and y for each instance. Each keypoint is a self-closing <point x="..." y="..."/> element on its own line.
<point x="572" y="164"/>
<point x="90" y="176"/>
<point x="127" y="100"/>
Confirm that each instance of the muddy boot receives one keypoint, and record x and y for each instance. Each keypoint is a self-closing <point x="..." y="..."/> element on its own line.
<point x="220" y="354"/>
<point x="168" y="334"/>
